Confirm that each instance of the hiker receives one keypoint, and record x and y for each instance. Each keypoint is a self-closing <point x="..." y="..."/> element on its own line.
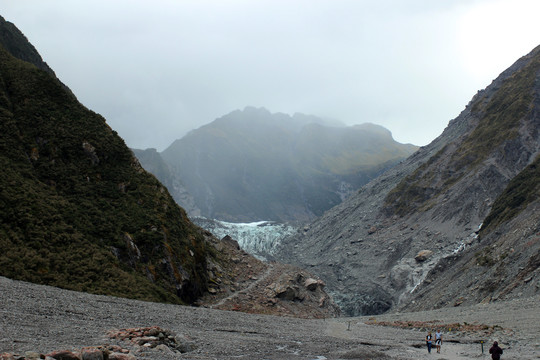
<point x="495" y="351"/>
<point x="428" y="342"/>
<point x="438" y="341"/>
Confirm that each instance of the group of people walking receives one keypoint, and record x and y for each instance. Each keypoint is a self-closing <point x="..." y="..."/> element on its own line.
<point x="438" y="341"/>
<point x="495" y="350"/>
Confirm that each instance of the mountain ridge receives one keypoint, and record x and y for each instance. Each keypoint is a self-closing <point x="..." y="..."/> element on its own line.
<point x="254" y="165"/>
<point x="435" y="200"/>
<point x="14" y="41"/>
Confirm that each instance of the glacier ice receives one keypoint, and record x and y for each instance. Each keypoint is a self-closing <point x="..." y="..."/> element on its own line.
<point x="259" y="238"/>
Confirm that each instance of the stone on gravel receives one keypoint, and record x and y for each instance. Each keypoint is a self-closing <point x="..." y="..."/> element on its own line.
<point x="121" y="356"/>
<point x="311" y="284"/>
<point x="423" y="255"/>
<point x="32" y="355"/>
<point x="63" y="355"/>
<point x="92" y="354"/>
<point x="164" y="348"/>
<point x="183" y="344"/>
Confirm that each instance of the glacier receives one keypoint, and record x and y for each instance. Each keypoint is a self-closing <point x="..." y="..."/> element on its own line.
<point x="257" y="238"/>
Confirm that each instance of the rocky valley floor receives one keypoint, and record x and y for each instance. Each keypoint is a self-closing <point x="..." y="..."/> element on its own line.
<point x="43" y="319"/>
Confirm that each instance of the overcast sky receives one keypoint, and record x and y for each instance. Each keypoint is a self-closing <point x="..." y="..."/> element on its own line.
<point x="157" y="69"/>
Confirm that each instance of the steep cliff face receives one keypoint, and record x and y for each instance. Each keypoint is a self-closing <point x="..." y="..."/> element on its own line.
<point x="253" y="165"/>
<point x="436" y="200"/>
<point x="77" y="210"/>
<point x="14" y="41"/>
<point x="152" y="162"/>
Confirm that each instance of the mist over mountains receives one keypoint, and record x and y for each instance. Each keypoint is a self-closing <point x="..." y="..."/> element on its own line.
<point x="456" y="223"/>
<point x="390" y="226"/>
<point x="253" y="165"/>
<point x="78" y="211"/>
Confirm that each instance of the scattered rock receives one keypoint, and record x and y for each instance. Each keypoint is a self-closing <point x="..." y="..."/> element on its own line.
<point x="92" y="354"/>
<point x="32" y="355"/>
<point x="63" y="355"/>
<point x="121" y="356"/>
<point x="139" y="337"/>
<point x="311" y="284"/>
<point x="459" y="301"/>
<point x="423" y="255"/>
<point x="230" y="240"/>
<point x="164" y="348"/>
<point x="154" y="337"/>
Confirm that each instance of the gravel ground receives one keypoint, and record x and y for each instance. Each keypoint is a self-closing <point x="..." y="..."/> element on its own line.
<point x="44" y="319"/>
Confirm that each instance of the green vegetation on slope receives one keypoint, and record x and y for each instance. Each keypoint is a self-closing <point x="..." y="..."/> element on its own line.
<point x="499" y="118"/>
<point x="520" y="192"/>
<point x="77" y="211"/>
<point x="416" y="189"/>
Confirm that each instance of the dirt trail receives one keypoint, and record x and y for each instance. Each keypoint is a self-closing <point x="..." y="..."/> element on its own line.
<point x="261" y="278"/>
<point x="407" y="344"/>
<point x="515" y="324"/>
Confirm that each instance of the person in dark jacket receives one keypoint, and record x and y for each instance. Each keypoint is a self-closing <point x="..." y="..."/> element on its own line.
<point x="429" y="340"/>
<point x="495" y="351"/>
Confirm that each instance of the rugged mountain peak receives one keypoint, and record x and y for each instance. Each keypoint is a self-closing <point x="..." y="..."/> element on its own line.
<point x="435" y="200"/>
<point x="14" y="41"/>
<point x="254" y="165"/>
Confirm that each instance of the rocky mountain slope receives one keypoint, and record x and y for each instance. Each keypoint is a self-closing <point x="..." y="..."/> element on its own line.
<point x="503" y="263"/>
<point x="246" y="284"/>
<point x="375" y="250"/>
<point x="78" y="211"/>
<point x="253" y="165"/>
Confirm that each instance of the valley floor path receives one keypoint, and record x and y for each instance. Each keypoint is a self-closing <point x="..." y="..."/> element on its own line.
<point x="43" y="319"/>
<point x="262" y="277"/>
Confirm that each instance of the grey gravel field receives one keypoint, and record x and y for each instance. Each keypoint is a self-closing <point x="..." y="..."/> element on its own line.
<point x="43" y="319"/>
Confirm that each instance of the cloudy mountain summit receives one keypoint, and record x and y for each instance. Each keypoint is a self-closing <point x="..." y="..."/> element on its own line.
<point x="253" y="165"/>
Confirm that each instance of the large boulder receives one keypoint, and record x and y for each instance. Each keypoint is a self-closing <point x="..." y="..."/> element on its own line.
<point x="423" y="255"/>
<point x="312" y="284"/>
